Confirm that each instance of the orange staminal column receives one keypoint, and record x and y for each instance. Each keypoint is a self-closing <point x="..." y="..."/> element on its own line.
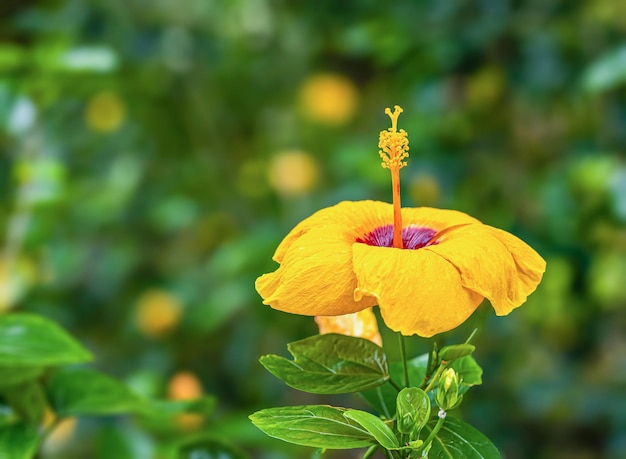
<point x="394" y="149"/>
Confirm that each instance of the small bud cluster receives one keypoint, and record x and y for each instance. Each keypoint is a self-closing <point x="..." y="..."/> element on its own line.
<point x="413" y="409"/>
<point x="447" y="396"/>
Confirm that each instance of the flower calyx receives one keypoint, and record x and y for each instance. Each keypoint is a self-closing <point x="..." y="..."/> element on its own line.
<point x="447" y="396"/>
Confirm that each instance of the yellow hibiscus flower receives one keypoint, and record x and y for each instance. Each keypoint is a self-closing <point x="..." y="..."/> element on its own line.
<point x="427" y="269"/>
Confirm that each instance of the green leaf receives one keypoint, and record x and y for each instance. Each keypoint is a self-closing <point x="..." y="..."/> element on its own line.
<point x="375" y="426"/>
<point x="18" y="441"/>
<point x="318" y="426"/>
<point x="11" y="376"/>
<point x="28" y="340"/>
<point x="383" y="398"/>
<point x="330" y="364"/>
<point x="27" y="400"/>
<point x="457" y="439"/>
<point x="82" y="391"/>
<point x="468" y="370"/>
<point x="456" y="351"/>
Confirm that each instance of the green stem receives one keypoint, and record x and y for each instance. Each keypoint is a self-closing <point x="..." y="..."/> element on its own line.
<point x="370" y="452"/>
<point x="435" y="378"/>
<point x="430" y="367"/>
<point x="394" y="384"/>
<point x="467" y="341"/>
<point x="432" y="434"/>
<point x="404" y="362"/>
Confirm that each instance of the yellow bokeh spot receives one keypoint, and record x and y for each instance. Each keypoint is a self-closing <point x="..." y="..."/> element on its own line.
<point x="293" y="173"/>
<point x="424" y="190"/>
<point x="16" y="276"/>
<point x="60" y="435"/>
<point x="7" y="290"/>
<point x="185" y="385"/>
<point x="158" y="313"/>
<point x="105" y="112"/>
<point x="328" y="98"/>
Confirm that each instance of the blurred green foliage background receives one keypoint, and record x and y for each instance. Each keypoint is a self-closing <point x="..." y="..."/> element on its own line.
<point x="153" y="154"/>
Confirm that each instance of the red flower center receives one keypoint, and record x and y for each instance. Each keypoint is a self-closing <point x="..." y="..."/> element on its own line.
<point x="413" y="237"/>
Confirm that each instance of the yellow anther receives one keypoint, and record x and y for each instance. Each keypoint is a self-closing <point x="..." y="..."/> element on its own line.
<point x="393" y="144"/>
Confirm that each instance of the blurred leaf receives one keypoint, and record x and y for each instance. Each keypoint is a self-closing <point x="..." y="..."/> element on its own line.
<point x="30" y="340"/>
<point x="8" y="416"/>
<point x="589" y="175"/>
<point x="470" y="372"/>
<point x="330" y="364"/>
<point x="606" y="72"/>
<point x="618" y="193"/>
<point x="124" y="441"/>
<point x="226" y="299"/>
<point x="89" y="59"/>
<point x="165" y="416"/>
<point x="45" y="177"/>
<point x="11" y="56"/>
<point x="18" y="441"/>
<point x="451" y="353"/>
<point x="375" y="426"/>
<point x="82" y="391"/>
<point x="318" y="426"/>
<point x="10" y="376"/>
<point x="27" y="400"/>
<point x="606" y="278"/>
<point x="458" y="439"/>
<point x="203" y="405"/>
<point x="235" y="427"/>
<point x="209" y="448"/>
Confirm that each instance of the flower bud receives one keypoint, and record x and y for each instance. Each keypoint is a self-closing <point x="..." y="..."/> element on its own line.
<point x="413" y="410"/>
<point x="447" y="396"/>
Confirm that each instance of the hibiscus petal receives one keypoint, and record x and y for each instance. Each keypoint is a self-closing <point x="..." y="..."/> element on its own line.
<point x="487" y="265"/>
<point x="315" y="277"/>
<point x="418" y="292"/>
<point x="530" y="265"/>
<point x="437" y="219"/>
<point x="357" y="219"/>
<point x="361" y="324"/>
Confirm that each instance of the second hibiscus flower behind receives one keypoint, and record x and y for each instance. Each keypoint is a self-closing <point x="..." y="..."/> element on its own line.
<point x="344" y="259"/>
